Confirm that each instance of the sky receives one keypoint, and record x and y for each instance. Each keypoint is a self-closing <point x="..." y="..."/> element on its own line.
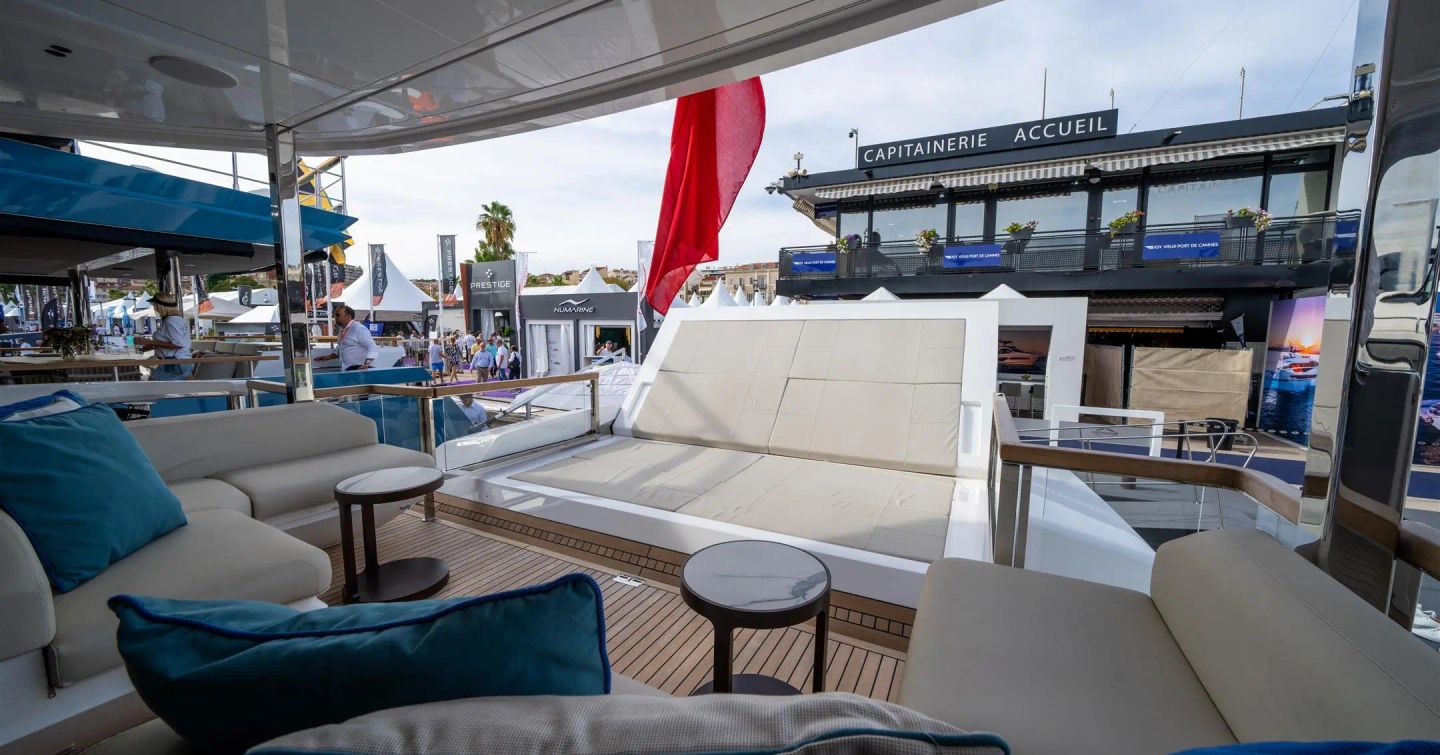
<point x="584" y="194"/>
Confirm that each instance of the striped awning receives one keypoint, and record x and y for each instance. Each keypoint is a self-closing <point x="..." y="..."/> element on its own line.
<point x="1051" y="170"/>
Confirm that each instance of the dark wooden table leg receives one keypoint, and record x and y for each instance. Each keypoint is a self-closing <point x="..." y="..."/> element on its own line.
<point x="822" y="639"/>
<point x="372" y="557"/>
<point x="722" y="659"/>
<point x="347" y="550"/>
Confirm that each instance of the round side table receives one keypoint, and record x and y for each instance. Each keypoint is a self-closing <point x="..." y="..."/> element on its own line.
<point x="757" y="584"/>
<point x="407" y="578"/>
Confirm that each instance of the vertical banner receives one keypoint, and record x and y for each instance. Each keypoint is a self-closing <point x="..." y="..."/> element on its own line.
<point x="378" y="278"/>
<point x="202" y="296"/>
<point x="448" y="272"/>
<point x="243" y="295"/>
<point x="337" y="278"/>
<point x="644" y="250"/>
<point x="50" y="313"/>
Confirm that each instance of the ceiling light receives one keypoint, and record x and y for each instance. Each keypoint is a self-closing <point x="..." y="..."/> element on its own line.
<point x="192" y="72"/>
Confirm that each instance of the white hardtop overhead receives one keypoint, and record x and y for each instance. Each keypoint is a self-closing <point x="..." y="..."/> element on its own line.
<point x="366" y="76"/>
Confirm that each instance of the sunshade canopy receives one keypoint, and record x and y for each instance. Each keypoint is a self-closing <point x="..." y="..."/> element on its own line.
<point x="60" y="210"/>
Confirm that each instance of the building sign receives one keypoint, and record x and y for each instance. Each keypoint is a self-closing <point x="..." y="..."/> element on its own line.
<point x="243" y="296"/>
<point x="971" y="255"/>
<point x="608" y="306"/>
<point x="492" y="285"/>
<point x="812" y="262"/>
<point x="1071" y="128"/>
<point x="1181" y="246"/>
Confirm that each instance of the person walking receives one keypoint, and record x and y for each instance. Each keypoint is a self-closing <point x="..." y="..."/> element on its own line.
<point x="481" y="364"/>
<point x="467" y="343"/>
<point x="355" y="348"/>
<point x="515" y="364"/>
<point x="171" y="341"/>
<point x="437" y="360"/>
<point x="502" y="360"/>
<point x="452" y="358"/>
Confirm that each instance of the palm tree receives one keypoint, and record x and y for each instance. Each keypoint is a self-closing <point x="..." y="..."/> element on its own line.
<point x="497" y="227"/>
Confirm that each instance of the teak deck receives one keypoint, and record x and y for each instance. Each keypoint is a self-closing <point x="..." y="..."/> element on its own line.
<point x="652" y="635"/>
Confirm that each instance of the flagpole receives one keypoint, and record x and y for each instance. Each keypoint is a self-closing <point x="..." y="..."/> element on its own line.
<point x="439" y="289"/>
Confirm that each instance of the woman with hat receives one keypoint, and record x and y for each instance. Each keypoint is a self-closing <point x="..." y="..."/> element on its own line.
<point x="171" y="340"/>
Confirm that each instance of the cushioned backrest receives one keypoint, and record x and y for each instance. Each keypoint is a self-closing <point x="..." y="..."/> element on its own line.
<point x="720" y="384"/>
<point x="201" y="445"/>
<point x="25" y="598"/>
<point x="1285" y="651"/>
<point x="225" y="347"/>
<point x="881" y="393"/>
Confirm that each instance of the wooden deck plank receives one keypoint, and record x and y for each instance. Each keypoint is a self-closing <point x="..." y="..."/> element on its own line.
<point x="651" y="634"/>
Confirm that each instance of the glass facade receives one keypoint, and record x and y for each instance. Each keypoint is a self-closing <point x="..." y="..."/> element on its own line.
<point x="1200" y="201"/>
<point x="969" y="219"/>
<point x="1054" y="212"/>
<point x="902" y="223"/>
<point x="1294" y="184"/>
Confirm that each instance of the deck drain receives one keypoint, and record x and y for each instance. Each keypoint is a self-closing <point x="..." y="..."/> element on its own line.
<point x="629" y="581"/>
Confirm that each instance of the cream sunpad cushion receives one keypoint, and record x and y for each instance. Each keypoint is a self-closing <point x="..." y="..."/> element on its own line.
<point x="660" y="475"/>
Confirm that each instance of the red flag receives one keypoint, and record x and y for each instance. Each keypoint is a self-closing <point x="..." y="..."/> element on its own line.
<point x="712" y="146"/>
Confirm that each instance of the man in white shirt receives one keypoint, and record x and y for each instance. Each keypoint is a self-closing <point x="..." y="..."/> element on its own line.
<point x="473" y="411"/>
<point x="171" y="339"/>
<point x="355" y="348"/>
<point x="467" y="342"/>
<point x="502" y="361"/>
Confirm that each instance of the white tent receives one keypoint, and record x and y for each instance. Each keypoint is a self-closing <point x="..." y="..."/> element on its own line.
<point x="592" y="283"/>
<point x="695" y="300"/>
<point x="780" y="300"/>
<point x="266" y="314"/>
<point x="758" y="300"/>
<point x="881" y="294"/>
<point x="1003" y="291"/>
<point x="720" y="297"/>
<point x="741" y="300"/>
<point x="402" y="300"/>
<point x="679" y="303"/>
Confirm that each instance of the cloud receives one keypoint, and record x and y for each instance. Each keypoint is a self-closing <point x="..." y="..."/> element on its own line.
<point x="585" y="193"/>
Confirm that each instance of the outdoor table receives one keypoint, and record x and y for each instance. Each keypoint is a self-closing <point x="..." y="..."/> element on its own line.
<point x="757" y="584"/>
<point x="406" y="578"/>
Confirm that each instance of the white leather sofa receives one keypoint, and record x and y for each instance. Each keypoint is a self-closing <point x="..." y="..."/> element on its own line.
<point x="1240" y="640"/>
<point x="256" y="486"/>
<point x="276" y="464"/>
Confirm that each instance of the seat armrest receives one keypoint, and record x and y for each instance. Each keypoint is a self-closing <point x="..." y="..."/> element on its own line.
<point x="25" y="599"/>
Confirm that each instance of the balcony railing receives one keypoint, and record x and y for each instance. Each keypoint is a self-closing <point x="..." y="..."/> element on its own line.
<point x="1287" y="241"/>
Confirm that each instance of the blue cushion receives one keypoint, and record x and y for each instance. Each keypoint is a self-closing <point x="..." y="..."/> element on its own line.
<point x="77" y="483"/>
<point x="1322" y="748"/>
<point x="226" y="675"/>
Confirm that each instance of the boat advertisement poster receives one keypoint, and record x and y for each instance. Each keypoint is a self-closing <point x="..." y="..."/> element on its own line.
<point x="1292" y="362"/>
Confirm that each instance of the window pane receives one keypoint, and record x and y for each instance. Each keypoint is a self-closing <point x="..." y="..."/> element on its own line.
<point x="854" y="219"/>
<point x="969" y="220"/>
<point x="1116" y="202"/>
<point x="1294" y="194"/>
<point x="902" y="223"/>
<point x="1201" y="201"/>
<point x="1055" y="212"/>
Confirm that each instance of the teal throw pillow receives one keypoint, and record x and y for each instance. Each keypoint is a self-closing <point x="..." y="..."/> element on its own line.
<point x="80" y="487"/>
<point x="227" y="675"/>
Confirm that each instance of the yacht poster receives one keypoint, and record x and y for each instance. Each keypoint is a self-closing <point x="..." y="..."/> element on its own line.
<point x="1292" y="362"/>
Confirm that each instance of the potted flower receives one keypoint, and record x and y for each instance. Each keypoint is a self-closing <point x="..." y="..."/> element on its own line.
<point x="926" y="239"/>
<point x="1125" y="223"/>
<point x="848" y="243"/>
<point x="1248" y="218"/>
<point x="70" y="342"/>
<point x="1022" y="231"/>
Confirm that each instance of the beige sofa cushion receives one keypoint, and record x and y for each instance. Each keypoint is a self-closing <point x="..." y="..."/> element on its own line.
<point x="28" y="613"/>
<point x="219" y="555"/>
<point x="205" y="494"/>
<point x="299" y="483"/>
<point x="711" y="409"/>
<point x="879" y="510"/>
<point x="202" y="445"/>
<point x="733" y="347"/>
<point x="1285" y="651"/>
<point x="881" y="351"/>
<point x="660" y="475"/>
<point x="1053" y="665"/>
<point x="891" y="425"/>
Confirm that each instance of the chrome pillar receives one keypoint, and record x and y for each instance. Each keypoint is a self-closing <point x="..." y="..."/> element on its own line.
<point x="289" y="264"/>
<point x="427" y="444"/>
<point x="1391" y="171"/>
<point x="167" y="274"/>
<point x="80" y="298"/>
